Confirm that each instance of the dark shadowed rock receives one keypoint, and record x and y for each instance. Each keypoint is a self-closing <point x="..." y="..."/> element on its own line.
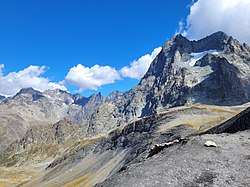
<point x="80" y="100"/>
<point x="36" y="95"/>
<point x="2" y="97"/>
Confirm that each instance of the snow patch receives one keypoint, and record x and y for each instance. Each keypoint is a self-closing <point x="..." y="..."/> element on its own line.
<point x="198" y="56"/>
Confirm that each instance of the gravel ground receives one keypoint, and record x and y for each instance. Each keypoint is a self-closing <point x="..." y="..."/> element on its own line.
<point x="193" y="165"/>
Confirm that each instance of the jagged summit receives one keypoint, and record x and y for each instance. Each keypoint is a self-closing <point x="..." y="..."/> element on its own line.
<point x="114" y="97"/>
<point x="80" y="100"/>
<point x="215" y="41"/>
<point x="179" y="38"/>
<point x="217" y="36"/>
<point x="30" y="93"/>
<point x="29" y="90"/>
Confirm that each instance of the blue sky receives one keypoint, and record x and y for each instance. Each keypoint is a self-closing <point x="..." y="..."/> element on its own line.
<point x="61" y="34"/>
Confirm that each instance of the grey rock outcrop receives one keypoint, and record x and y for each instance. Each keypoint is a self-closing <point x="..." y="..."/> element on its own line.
<point x="114" y="97"/>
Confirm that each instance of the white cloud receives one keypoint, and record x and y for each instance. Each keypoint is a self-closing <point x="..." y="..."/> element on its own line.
<point x="138" y="68"/>
<point x="181" y="28"/>
<point x="91" y="78"/>
<point x="28" y="77"/>
<point x="209" y="16"/>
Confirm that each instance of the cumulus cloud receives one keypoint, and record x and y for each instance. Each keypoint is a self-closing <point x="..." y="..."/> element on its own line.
<point x="28" y="77"/>
<point x="91" y="78"/>
<point x="230" y="16"/>
<point x="138" y="68"/>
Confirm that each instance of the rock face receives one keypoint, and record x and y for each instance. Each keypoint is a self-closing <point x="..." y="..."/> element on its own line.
<point x="213" y="70"/>
<point x="114" y="97"/>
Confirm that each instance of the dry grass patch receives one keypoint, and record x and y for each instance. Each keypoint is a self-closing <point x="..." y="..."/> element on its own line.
<point x="220" y="110"/>
<point x="80" y="181"/>
<point x="14" y="176"/>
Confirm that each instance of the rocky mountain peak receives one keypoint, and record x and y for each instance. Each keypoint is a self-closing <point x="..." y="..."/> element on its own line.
<point x="219" y="35"/>
<point x="114" y="97"/>
<point x="80" y="100"/>
<point x="53" y="92"/>
<point x="96" y="98"/>
<point x="180" y="49"/>
<point x="99" y="95"/>
<point x="29" y="90"/>
<point x="179" y="38"/>
<point x="29" y="93"/>
<point x="60" y="95"/>
<point x="216" y="41"/>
